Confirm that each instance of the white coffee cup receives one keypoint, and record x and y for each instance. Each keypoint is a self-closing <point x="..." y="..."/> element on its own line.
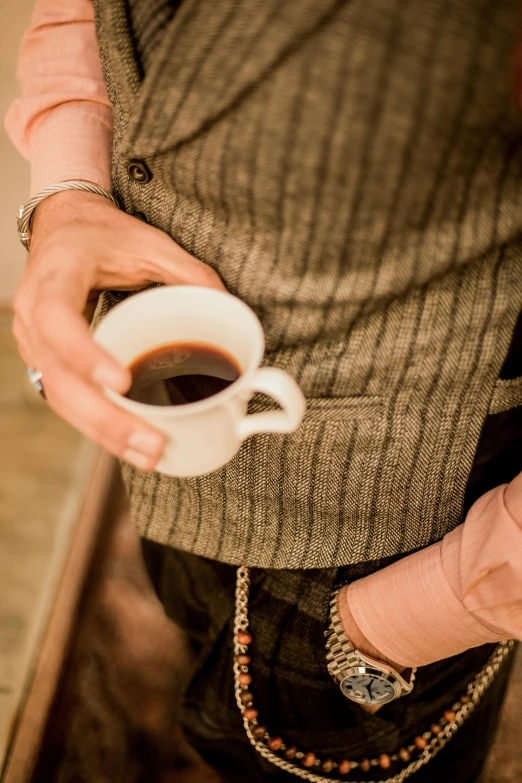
<point x="202" y="436"/>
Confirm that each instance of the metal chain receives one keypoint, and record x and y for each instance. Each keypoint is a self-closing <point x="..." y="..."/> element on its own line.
<point x="475" y="691"/>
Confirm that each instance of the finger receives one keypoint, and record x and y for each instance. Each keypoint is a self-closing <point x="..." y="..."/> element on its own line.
<point x="52" y="323"/>
<point x="88" y="410"/>
<point x="22" y="340"/>
<point x="63" y="333"/>
<point x="173" y="265"/>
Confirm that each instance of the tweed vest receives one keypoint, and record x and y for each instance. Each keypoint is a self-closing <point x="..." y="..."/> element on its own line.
<point x="352" y="169"/>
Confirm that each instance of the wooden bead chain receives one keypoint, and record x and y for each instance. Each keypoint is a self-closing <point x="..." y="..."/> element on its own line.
<point x="426" y="745"/>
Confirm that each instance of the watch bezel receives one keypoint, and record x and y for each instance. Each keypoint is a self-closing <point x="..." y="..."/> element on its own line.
<point x="373" y="671"/>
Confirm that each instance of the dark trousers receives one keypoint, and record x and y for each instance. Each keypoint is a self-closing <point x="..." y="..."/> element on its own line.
<point x="294" y="694"/>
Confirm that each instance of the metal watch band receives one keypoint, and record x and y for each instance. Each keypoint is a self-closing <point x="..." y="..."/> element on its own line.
<point x="25" y="212"/>
<point x="340" y="651"/>
<point x="341" y="654"/>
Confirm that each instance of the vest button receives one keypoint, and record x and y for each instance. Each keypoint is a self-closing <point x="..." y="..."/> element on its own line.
<point x="139" y="171"/>
<point x="118" y="296"/>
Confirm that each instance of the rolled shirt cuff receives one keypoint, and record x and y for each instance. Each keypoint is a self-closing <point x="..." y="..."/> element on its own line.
<point x="72" y="141"/>
<point x="410" y="612"/>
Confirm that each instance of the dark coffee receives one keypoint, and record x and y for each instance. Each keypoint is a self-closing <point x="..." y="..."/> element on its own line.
<point x="180" y="373"/>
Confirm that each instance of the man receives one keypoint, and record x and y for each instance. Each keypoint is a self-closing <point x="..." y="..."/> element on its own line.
<point x="352" y="171"/>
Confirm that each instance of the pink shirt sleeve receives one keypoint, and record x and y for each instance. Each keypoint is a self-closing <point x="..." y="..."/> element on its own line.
<point x="63" y="120"/>
<point x="461" y="592"/>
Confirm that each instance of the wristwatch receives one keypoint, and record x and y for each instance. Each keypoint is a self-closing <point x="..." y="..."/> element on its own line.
<point x="362" y="679"/>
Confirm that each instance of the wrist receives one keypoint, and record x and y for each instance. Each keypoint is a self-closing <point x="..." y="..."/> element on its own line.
<point x="58" y="208"/>
<point x="356" y="636"/>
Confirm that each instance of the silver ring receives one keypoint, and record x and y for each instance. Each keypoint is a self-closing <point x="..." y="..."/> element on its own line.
<point x="35" y="379"/>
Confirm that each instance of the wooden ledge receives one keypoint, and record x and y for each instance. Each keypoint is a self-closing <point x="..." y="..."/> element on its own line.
<point x="43" y="675"/>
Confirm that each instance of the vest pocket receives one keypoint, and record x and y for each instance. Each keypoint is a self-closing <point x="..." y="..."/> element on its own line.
<point x="507" y="394"/>
<point x="305" y="500"/>
<point x="342" y="408"/>
<point x="300" y="500"/>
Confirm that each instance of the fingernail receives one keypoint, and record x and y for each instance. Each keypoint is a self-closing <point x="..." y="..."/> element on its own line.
<point x="107" y="376"/>
<point x="138" y="459"/>
<point x="146" y="442"/>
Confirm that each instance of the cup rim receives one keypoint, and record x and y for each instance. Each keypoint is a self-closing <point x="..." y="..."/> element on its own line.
<point x="168" y="411"/>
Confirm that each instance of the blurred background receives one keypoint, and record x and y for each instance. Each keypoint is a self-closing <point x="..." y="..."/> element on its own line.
<point x="68" y="553"/>
<point x="15" y="181"/>
<point x="45" y="466"/>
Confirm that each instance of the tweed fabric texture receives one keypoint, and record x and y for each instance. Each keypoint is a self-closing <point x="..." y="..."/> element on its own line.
<point x="352" y="169"/>
<point x="507" y="395"/>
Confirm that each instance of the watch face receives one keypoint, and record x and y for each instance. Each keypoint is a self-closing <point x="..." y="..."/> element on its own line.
<point x="368" y="688"/>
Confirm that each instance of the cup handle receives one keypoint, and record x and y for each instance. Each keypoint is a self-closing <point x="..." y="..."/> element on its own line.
<point x="284" y="390"/>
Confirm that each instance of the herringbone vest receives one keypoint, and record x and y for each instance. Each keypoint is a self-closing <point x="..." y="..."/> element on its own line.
<point x="352" y="169"/>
